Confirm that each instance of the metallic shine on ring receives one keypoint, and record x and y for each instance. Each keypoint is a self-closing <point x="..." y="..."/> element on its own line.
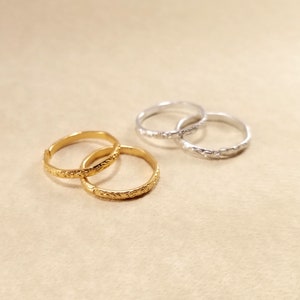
<point x="71" y="139"/>
<point x="121" y="194"/>
<point x="199" y="117"/>
<point x="221" y="153"/>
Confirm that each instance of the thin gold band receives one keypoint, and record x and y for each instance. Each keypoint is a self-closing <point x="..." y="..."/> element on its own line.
<point x="125" y="194"/>
<point x="113" y="154"/>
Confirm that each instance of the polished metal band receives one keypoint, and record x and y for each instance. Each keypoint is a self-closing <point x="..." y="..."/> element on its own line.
<point x="122" y="194"/>
<point x="71" y="139"/>
<point x="224" y="152"/>
<point x="198" y="114"/>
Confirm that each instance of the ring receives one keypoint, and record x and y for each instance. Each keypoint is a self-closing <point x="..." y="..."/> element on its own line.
<point x="225" y="152"/>
<point x="83" y="172"/>
<point x="199" y="117"/>
<point x="127" y="194"/>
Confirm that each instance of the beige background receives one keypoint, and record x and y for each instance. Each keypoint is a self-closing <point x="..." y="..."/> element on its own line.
<point x="211" y="229"/>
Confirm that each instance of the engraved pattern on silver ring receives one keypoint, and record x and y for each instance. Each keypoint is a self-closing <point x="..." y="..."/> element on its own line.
<point x="199" y="118"/>
<point x="225" y="152"/>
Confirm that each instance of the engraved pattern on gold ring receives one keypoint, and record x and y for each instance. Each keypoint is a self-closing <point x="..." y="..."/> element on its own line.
<point x="81" y="172"/>
<point x="122" y="194"/>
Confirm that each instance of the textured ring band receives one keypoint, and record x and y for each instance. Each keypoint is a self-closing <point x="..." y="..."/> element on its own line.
<point x="70" y="139"/>
<point x="122" y="194"/>
<point x="199" y="119"/>
<point x="225" y="152"/>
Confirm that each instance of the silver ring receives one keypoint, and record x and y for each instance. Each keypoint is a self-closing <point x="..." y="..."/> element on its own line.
<point x="225" y="152"/>
<point x="199" y="117"/>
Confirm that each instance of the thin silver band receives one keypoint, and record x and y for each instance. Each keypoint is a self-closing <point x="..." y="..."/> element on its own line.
<point x="225" y="152"/>
<point x="199" y="117"/>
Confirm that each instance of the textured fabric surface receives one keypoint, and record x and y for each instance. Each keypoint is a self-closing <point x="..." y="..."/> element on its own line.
<point x="211" y="229"/>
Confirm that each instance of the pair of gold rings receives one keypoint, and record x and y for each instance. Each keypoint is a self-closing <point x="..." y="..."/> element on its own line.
<point x="110" y="155"/>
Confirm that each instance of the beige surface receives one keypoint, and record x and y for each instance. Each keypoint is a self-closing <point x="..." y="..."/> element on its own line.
<point x="211" y="229"/>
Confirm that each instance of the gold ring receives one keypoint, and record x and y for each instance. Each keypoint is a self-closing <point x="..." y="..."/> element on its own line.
<point x="125" y="194"/>
<point x="113" y="154"/>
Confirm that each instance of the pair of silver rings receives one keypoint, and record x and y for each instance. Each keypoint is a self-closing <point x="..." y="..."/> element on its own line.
<point x="195" y="120"/>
